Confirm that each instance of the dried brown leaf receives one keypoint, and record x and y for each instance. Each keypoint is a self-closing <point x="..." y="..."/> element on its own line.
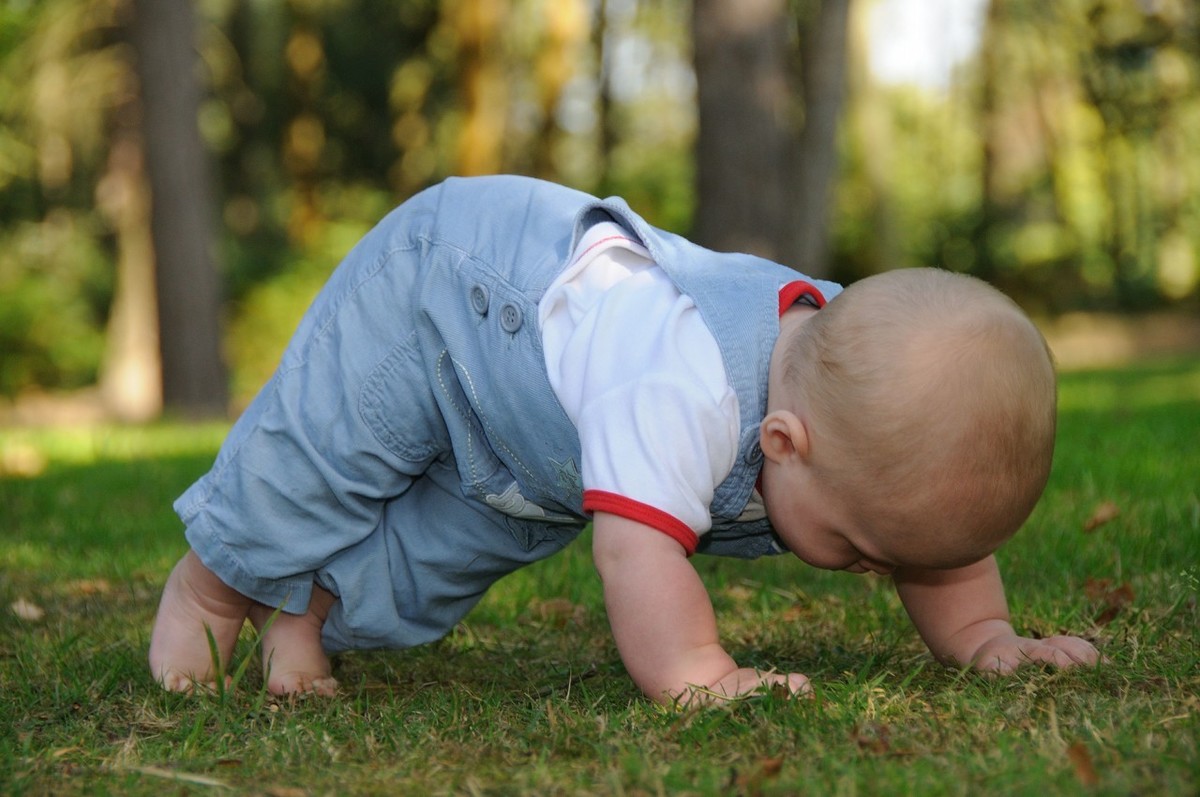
<point x="795" y="612"/>
<point x="1105" y="512"/>
<point x="873" y="737"/>
<point x="751" y="782"/>
<point x="558" y="611"/>
<point x="1112" y="599"/>
<point x="1081" y="761"/>
<point x="89" y="586"/>
<point x="1096" y="588"/>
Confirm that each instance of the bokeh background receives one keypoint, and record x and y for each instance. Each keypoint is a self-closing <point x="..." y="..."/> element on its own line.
<point x="177" y="178"/>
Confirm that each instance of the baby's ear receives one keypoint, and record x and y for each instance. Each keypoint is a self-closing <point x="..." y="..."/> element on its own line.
<point x="783" y="436"/>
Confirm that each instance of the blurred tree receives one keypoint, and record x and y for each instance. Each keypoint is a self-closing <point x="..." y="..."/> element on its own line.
<point x="770" y="84"/>
<point x="823" y="41"/>
<point x="750" y="113"/>
<point x="477" y="27"/>
<point x="559" y="57"/>
<point x="1079" y="103"/>
<point x="1059" y="164"/>
<point x="131" y="370"/>
<point x="1134" y="72"/>
<point x="182" y="199"/>
<point x="62" y="70"/>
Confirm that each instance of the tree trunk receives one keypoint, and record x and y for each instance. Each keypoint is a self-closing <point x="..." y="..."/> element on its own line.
<point x="193" y="375"/>
<point x="765" y="160"/>
<point x="749" y="118"/>
<point x="556" y="62"/>
<point x="605" y="125"/>
<point x="482" y="84"/>
<point x="823" y="70"/>
<point x="131" y="374"/>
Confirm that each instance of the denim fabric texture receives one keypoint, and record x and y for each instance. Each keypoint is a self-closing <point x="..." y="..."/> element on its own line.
<point x="409" y="450"/>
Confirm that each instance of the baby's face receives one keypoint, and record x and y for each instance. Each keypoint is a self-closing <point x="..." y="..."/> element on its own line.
<point x="829" y="529"/>
<point x="816" y="524"/>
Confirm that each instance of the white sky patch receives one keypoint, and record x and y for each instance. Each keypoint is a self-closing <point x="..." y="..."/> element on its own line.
<point x="922" y="41"/>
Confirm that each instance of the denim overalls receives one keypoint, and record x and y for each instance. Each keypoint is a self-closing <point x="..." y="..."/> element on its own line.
<point x="409" y="449"/>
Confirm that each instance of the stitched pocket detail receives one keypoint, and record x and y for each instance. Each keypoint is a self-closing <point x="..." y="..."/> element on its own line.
<point x="396" y="405"/>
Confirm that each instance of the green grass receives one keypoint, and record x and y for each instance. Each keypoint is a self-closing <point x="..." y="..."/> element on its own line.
<point x="528" y="696"/>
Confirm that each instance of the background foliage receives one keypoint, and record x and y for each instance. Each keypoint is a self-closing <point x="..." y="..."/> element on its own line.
<point x="1057" y="163"/>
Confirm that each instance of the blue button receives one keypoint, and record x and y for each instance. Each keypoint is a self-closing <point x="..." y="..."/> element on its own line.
<point x="754" y="455"/>
<point x="510" y="317"/>
<point x="480" y="299"/>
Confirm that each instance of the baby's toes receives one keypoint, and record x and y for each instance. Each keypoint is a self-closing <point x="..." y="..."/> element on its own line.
<point x="186" y="683"/>
<point x="175" y="681"/>
<point x="302" y="683"/>
<point x="325" y="687"/>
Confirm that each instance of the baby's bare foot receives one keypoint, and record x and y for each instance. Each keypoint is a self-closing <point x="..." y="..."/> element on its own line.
<point x="194" y="599"/>
<point x="293" y="659"/>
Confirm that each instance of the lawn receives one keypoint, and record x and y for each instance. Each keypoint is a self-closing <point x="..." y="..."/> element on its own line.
<point x="528" y="695"/>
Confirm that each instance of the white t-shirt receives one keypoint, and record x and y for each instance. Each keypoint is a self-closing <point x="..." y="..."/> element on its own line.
<point x="641" y="377"/>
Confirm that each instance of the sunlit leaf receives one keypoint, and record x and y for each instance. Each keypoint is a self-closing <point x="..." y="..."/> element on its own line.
<point x="1105" y="512"/>
<point x="30" y="612"/>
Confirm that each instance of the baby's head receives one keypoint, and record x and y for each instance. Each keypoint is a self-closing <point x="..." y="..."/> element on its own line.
<point x="927" y="401"/>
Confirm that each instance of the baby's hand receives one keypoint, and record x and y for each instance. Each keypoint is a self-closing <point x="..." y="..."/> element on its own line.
<point x="744" y="682"/>
<point x="1007" y="652"/>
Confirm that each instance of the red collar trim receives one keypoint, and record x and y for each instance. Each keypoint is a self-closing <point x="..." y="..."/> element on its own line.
<point x="788" y="295"/>
<point x="795" y="291"/>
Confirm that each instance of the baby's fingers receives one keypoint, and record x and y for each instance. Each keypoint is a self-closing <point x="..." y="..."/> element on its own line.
<point x="1065" y="651"/>
<point x="797" y="685"/>
<point x="747" y="682"/>
<point x="1003" y="655"/>
<point x="998" y="663"/>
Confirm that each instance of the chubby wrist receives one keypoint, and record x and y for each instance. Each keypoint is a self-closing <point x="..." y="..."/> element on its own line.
<point x="700" y="668"/>
<point x="964" y="647"/>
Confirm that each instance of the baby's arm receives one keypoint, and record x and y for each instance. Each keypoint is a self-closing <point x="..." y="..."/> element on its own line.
<point x="963" y="617"/>
<point x="662" y="619"/>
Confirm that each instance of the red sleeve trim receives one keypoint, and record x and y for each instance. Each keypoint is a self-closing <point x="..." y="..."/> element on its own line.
<point x="673" y="527"/>
<point x="795" y="291"/>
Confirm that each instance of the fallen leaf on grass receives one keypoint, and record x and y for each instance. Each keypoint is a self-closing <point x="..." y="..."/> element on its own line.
<point x="1111" y="599"/>
<point x="1105" y="512"/>
<point x="558" y="612"/>
<point x="873" y="737"/>
<point x="751" y="782"/>
<point x="795" y="612"/>
<point x="29" y="612"/>
<point x="1081" y="760"/>
<point x="89" y="586"/>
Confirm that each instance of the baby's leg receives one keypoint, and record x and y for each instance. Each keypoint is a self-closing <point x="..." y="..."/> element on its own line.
<point x="293" y="659"/>
<point x="194" y="598"/>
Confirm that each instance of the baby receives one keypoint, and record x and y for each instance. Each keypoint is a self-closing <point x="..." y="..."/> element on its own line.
<point x="502" y="360"/>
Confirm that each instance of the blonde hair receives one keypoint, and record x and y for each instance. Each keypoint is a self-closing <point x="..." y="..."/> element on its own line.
<point x="931" y="401"/>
